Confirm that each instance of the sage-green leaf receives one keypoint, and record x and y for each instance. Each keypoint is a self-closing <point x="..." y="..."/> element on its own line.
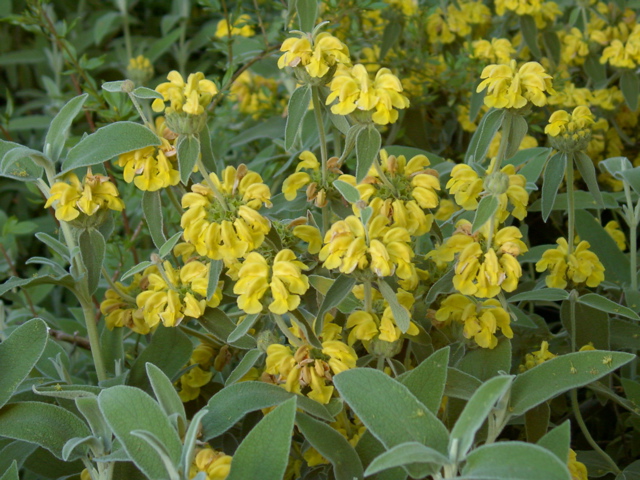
<point x="368" y="144"/>
<point x="307" y="14"/>
<point x="14" y="282"/>
<point x="536" y="422"/>
<point x="476" y="412"/>
<point x="400" y="314"/>
<point x="218" y="324"/>
<point x="145" y="93"/>
<point x="113" y="87"/>
<point x="206" y="150"/>
<point x="18" y="355"/>
<point x="331" y="445"/>
<point x="107" y="143"/>
<point x="514" y="461"/>
<point x="368" y="448"/>
<point x="582" y="201"/>
<point x="487" y="208"/>
<point x="350" y="193"/>
<point x="616" y="263"/>
<point x="169" y="350"/>
<point x="89" y="408"/>
<point x="428" y="379"/>
<point x="443" y="285"/>
<point x="632" y="177"/>
<point x="215" y="269"/>
<point x="405" y="454"/>
<point x="248" y="361"/>
<point x="546" y="294"/>
<point x="561" y="374"/>
<point x="166" y="248"/>
<point x="11" y="473"/>
<point x="557" y="441"/>
<point x="387" y="408"/>
<point x="126" y="409"/>
<point x="79" y="447"/>
<point x="390" y="36"/>
<point x="57" y="134"/>
<point x="188" y="451"/>
<point x="92" y="250"/>
<point x="152" y="210"/>
<point x="588" y="172"/>
<point x="481" y="139"/>
<point x="517" y="132"/>
<point x="596" y="71"/>
<point x="460" y="384"/>
<point x="243" y="327"/>
<point x="551" y="180"/>
<point x="54" y="244"/>
<point x="630" y="86"/>
<point x="264" y="452"/>
<point x="298" y="106"/>
<point x="485" y="363"/>
<point x="165" y="392"/>
<point x="15" y="451"/>
<point x="20" y="162"/>
<point x="530" y="34"/>
<point x="233" y="402"/>
<point x="188" y="149"/>
<point x="136" y="269"/>
<point x="604" y="304"/>
<point x="338" y="291"/>
<point x="43" y="424"/>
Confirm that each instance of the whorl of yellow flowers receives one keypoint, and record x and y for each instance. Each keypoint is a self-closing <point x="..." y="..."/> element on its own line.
<point x="384" y="250"/>
<point x="511" y="87"/>
<point x="177" y="293"/>
<point x="581" y="266"/>
<point x="230" y="233"/>
<point x="284" y="278"/>
<point x="190" y="97"/>
<point x="570" y="131"/>
<point x="315" y="56"/>
<point x="356" y="92"/>
<point x="481" y="319"/>
<point x="479" y="271"/>
<point x="70" y="197"/>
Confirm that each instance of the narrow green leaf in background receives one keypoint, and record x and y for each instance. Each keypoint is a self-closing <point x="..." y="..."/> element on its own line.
<point x="248" y="361"/>
<point x="331" y="445"/>
<point x="368" y="144"/>
<point x="401" y="315"/>
<point x="338" y="291"/>
<point x="514" y="461"/>
<point x="546" y="294"/>
<point x="18" y="354"/>
<point x="166" y="248"/>
<point x="92" y="249"/>
<point x="307" y="14"/>
<point x="215" y="269"/>
<point x="630" y="86"/>
<point x="165" y="392"/>
<point x="11" y="473"/>
<point x="405" y="454"/>
<point x="145" y="93"/>
<point x="188" y="149"/>
<point x="298" y="106"/>
<point x="530" y="34"/>
<point x="349" y="192"/>
<point x="604" y="304"/>
<point x="152" y="209"/>
<point x="43" y="424"/>
<point x="487" y="207"/>
<point x="109" y="142"/>
<point x="481" y="139"/>
<point x="428" y="379"/>
<point x="264" y="452"/>
<point x="560" y="375"/>
<point x="588" y="173"/>
<point x="551" y="181"/>
<point x="127" y="409"/>
<point x="558" y="440"/>
<point x="517" y="132"/>
<point x="57" y="134"/>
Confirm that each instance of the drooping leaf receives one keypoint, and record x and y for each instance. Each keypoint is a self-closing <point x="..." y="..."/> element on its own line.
<point x="298" y="106"/>
<point x="188" y="149"/>
<point x="557" y="441"/>
<point x="400" y="314"/>
<point x="349" y="192"/>
<point x="481" y="139"/>
<point x="165" y="392"/>
<point x="588" y="172"/>
<point x="551" y="180"/>
<point x="630" y="86"/>
<point x="152" y="210"/>
<point x="338" y="291"/>
<point x="368" y="144"/>
<point x="428" y="379"/>
<point x="92" y="249"/>
<point x="57" y="134"/>
<point x="546" y="294"/>
<point x="487" y="208"/>
<point x="405" y="454"/>
<point x="530" y="34"/>
<point x="248" y="361"/>
<point x="307" y="14"/>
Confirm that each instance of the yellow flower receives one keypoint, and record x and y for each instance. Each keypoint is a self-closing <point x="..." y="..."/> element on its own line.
<point x="624" y="55"/>
<point x="230" y="233"/>
<point x="240" y="27"/>
<point x="582" y="266"/>
<point x="254" y="95"/>
<point x="299" y="179"/>
<point x="317" y="58"/>
<point x="311" y="235"/>
<point x="481" y="320"/>
<point x="575" y="47"/>
<point x="614" y="231"/>
<point x="71" y="198"/>
<point x="355" y="92"/>
<point x="577" y="469"/>
<point x="191" y="97"/>
<point x="570" y="132"/>
<point x="284" y="279"/>
<point x="139" y="69"/>
<point x="509" y="87"/>
<point x="216" y="465"/>
<point x="466" y="186"/>
<point x="536" y="358"/>
<point x="498" y="50"/>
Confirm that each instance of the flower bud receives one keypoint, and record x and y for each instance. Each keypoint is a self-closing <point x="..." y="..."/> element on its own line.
<point x="496" y="183"/>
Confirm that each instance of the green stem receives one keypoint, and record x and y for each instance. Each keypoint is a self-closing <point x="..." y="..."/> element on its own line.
<point x="571" y="210"/>
<point x="631" y="217"/>
<point x="174" y="200"/>
<point x="492" y="226"/>
<point x="315" y="95"/>
<point x="504" y="141"/>
<point x="92" y="332"/>
<point x="573" y="296"/>
<point x="127" y="31"/>
<point x="115" y="288"/>
<point x="136" y="104"/>
<point x="205" y="173"/>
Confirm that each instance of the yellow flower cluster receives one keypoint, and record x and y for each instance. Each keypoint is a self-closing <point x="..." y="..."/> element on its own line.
<point x="536" y="358"/>
<point x="613" y="229"/>
<point x="401" y="191"/>
<point x="482" y="272"/>
<point x="70" y="197"/>
<point x="190" y="97"/>
<point x="239" y="28"/>
<point x="578" y="470"/>
<point x="624" y="55"/>
<point x="573" y="125"/>
<point x="284" y="278"/>
<point x="481" y="319"/>
<point x="140" y="69"/>
<point x="230" y="231"/>
<point x="177" y="293"/>
<point x="384" y="250"/>
<point x="510" y="87"/>
<point x="466" y="187"/>
<point x="254" y="95"/>
<point x="311" y="177"/>
<point x="316" y="56"/>
<point x="197" y="376"/>
<point x="575" y="47"/>
<point x="366" y="326"/>
<point x="152" y="168"/>
<point x="216" y="465"/>
<point x="123" y="312"/>
<point x="498" y="50"/>
<point x="308" y="370"/>
<point x="542" y="12"/>
<point x="356" y="92"/>
<point x="581" y="266"/>
<point x="457" y="21"/>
